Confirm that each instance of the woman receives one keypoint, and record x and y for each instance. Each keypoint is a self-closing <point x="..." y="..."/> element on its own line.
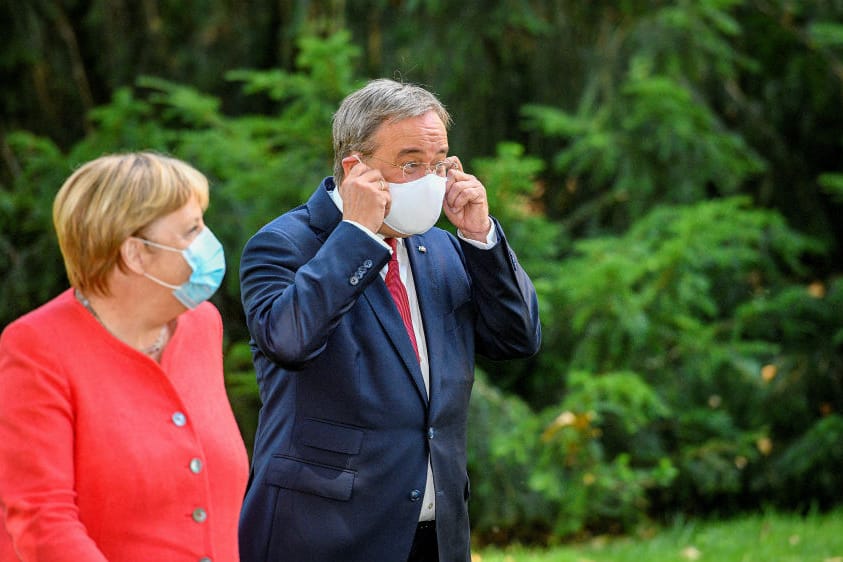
<point x="117" y="441"/>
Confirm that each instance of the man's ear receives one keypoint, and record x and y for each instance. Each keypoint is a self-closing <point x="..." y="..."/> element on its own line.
<point x="350" y="161"/>
<point x="131" y="251"/>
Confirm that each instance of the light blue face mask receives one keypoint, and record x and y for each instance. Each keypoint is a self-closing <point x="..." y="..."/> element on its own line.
<point x="206" y="258"/>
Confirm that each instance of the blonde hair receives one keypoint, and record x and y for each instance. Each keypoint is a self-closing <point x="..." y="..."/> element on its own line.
<point x="109" y="199"/>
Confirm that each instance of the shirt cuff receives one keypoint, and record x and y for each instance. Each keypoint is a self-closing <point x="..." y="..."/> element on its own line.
<point x="372" y="235"/>
<point x="491" y="238"/>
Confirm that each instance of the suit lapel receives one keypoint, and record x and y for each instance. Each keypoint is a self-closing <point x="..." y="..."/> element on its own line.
<point x="426" y="277"/>
<point x="323" y="213"/>
<point x="379" y="298"/>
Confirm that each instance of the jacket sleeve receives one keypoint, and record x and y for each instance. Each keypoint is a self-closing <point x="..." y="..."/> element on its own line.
<point x="295" y="289"/>
<point x="507" y="325"/>
<point x="36" y="453"/>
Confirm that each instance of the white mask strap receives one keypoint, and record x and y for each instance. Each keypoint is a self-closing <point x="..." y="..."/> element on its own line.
<point x="162" y="283"/>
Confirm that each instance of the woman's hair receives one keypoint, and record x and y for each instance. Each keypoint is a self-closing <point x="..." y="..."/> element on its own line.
<point x="109" y="199"/>
<point x="380" y="101"/>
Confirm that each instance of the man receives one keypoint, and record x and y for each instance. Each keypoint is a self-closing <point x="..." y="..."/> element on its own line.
<point x="360" y="453"/>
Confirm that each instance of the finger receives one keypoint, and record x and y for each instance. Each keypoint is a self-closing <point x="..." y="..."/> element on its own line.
<point x="369" y="178"/>
<point x="455" y="196"/>
<point x="458" y="186"/>
<point x="456" y="162"/>
<point x="373" y="180"/>
<point x="463" y="193"/>
<point x="456" y="172"/>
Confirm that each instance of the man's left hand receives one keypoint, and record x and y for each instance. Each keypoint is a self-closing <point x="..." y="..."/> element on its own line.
<point x="466" y="205"/>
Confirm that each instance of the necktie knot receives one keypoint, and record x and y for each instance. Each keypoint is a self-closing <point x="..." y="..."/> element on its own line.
<point x="393" y="243"/>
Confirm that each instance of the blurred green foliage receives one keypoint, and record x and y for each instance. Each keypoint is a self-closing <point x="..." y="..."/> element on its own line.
<point x="670" y="174"/>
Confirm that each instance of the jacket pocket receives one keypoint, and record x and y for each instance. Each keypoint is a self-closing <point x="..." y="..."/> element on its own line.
<point x="311" y="478"/>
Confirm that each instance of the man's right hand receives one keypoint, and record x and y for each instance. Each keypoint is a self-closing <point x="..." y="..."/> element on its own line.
<point x="365" y="194"/>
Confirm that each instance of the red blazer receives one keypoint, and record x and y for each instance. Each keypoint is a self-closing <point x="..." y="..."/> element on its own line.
<point x="107" y="455"/>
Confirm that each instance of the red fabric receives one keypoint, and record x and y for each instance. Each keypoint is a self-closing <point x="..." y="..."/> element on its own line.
<point x="92" y="465"/>
<point x="399" y="292"/>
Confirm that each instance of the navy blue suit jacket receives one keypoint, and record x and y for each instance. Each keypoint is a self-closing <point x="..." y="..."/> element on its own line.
<point x="346" y="427"/>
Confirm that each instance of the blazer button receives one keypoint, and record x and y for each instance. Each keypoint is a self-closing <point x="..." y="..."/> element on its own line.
<point x="200" y="515"/>
<point x="415" y="496"/>
<point x="204" y="559"/>
<point x="195" y="466"/>
<point x="368" y="264"/>
<point x="179" y="419"/>
<point x="431" y="433"/>
<point x="354" y="280"/>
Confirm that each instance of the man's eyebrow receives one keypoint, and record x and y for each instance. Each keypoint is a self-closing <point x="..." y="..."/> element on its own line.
<point x="417" y="151"/>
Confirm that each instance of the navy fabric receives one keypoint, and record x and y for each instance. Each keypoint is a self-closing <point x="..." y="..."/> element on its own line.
<point x="345" y="430"/>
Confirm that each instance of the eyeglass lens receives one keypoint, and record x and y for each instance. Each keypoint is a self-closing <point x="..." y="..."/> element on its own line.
<point x="417" y="169"/>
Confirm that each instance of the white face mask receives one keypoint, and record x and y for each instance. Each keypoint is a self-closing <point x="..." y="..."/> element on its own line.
<point x="416" y="205"/>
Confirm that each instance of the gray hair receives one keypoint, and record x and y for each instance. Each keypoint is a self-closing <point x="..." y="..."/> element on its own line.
<point x="362" y="112"/>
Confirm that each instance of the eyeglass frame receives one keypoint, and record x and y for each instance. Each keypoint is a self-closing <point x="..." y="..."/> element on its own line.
<point x="428" y="168"/>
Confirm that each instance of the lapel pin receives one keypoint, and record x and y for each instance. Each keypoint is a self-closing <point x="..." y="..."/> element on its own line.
<point x="422" y="249"/>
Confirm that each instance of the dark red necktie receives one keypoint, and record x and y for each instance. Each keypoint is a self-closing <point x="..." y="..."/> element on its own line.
<point x="399" y="292"/>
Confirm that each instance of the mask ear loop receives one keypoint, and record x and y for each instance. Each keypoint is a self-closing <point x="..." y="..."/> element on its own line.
<point x="162" y="247"/>
<point x="156" y="244"/>
<point x="160" y="282"/>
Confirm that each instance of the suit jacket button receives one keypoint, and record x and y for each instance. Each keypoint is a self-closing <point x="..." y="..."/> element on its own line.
<point x="431" y="433"/>
<point x="368" y="264"/>
<point x="415" y="496"/>
<point x="354" y="280"/>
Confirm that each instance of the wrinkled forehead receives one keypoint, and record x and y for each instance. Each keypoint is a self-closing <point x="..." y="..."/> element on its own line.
<point x="418" y="136"/>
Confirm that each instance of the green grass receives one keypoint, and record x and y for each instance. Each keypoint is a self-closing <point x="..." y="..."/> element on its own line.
<point x="761" y="538"/>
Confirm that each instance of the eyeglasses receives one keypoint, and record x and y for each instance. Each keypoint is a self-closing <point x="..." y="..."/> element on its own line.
<point x="415" y="170"/>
